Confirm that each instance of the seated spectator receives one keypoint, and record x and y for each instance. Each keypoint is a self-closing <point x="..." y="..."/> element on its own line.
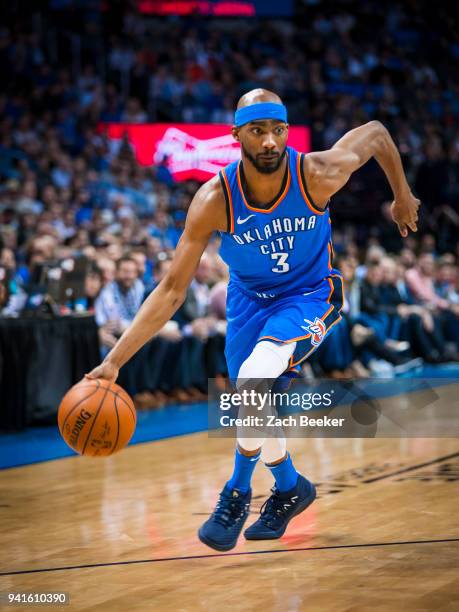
<point x="39" y="250"/>
<point x="409" y="321"/>
<point x="420" y="280"/>
<point x="407" y="258"/>
<point x="217" y="294"/>
<point x="373" y="257"/>
<point x="16" y="297"/>
<point x="370" y="300"/>
<point x="158" y="374"/>
<point x="108" y="269"/>
<point x="145" y="272"/>
<point x="194" y="315"/>
<point x="8" y="261"/>
<point x="4" y="289"/>
<point x="93" y="286"/>
<point x="118" y="303"/>
<point x="447" y="279"/>
<point x="359" y="347"/>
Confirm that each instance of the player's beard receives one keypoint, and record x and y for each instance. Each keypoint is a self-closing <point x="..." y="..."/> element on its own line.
<point x="258" y="164"/>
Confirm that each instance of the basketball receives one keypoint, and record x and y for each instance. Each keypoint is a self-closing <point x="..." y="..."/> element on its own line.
<point x="96" y="418"/>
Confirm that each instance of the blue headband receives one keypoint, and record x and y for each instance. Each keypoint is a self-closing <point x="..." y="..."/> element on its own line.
<point x="262" y="110"/>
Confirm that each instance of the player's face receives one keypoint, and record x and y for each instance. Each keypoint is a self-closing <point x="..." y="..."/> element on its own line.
<point x="263" y="143"/>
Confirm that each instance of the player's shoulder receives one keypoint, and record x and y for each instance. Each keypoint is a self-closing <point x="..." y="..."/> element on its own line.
<point x="208" y="206"/>
<point x="312" y="161"/>
<point x="313" y="169"/>
<point x="209" y="194"/>
<point x="296" y="157"/>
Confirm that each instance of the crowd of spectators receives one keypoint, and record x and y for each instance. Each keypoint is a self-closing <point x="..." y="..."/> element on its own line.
<point x="65" y="192"/>
<point x="400" y="311"/>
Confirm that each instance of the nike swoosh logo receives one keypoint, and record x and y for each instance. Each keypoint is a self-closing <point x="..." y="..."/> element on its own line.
<point x="239" y="220"/>
<point x="311" y="292"/>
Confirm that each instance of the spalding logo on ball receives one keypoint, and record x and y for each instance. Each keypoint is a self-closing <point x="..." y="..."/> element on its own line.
<point x="96" y="418"/>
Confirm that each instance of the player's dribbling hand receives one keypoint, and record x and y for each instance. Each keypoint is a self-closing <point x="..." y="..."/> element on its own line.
<point x="106" y="370"/>
<point x="405" y="213"/>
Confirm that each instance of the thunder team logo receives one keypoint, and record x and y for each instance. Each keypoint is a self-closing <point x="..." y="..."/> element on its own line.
<point x="317" y="330"/>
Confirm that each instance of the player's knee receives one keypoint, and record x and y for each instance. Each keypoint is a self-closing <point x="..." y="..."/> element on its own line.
<point x="268" y="360"/>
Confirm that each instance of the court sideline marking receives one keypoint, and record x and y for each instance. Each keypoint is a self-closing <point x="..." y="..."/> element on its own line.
<point x="220" y="555"/>
<point x="411" y="468"/>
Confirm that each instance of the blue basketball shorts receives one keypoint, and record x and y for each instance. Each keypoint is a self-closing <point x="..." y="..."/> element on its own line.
<point x="304" y="318"/>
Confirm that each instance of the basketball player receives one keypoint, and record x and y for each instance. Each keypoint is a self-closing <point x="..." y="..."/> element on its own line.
<point x="284" y="296"/>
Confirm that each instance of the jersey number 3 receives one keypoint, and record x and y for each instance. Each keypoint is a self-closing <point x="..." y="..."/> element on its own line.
<point x="281" y="265"/>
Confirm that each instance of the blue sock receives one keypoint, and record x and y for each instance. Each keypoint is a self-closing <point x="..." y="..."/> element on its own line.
<point x="243" y="470"/>
<point x="285" y="474"/>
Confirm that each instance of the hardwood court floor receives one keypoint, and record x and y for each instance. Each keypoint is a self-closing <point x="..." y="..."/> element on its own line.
<point x="120" y="534"/>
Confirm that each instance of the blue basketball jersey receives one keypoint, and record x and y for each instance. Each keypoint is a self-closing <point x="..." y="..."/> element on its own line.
<point x="281" y="250"/>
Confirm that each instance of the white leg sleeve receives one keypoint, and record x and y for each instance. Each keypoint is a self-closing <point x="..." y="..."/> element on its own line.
<point x="268" y="360"/>
<point x="249" y="444"/>
<point x="273" y="449"/>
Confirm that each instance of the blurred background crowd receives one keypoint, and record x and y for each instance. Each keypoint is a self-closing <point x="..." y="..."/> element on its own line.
<point x="66" y="192"/>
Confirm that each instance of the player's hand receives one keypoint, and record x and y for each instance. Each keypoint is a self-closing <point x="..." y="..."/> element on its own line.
<point x="106" y="370"/>
<point x="405" y="213"/>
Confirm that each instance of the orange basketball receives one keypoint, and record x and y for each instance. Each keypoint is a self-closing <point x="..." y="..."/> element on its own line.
<point x="96" y="418"/>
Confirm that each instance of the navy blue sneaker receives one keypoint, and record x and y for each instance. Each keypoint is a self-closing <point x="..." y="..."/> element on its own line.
<point x="279" y="509"/>
<point x="224" y="526"/>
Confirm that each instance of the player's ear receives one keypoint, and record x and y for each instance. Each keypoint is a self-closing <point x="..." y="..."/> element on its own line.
<point x="235" y="133"/>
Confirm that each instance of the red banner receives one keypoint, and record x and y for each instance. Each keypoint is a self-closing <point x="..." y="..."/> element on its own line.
<point x="191" y="150"/>
<point x="217" y="8"/>
<point x="197" y="7"/>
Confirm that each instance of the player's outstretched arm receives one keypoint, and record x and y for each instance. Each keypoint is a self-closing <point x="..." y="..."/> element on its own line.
<point x="206" y="214"/>
<point x="328" y="171"/>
